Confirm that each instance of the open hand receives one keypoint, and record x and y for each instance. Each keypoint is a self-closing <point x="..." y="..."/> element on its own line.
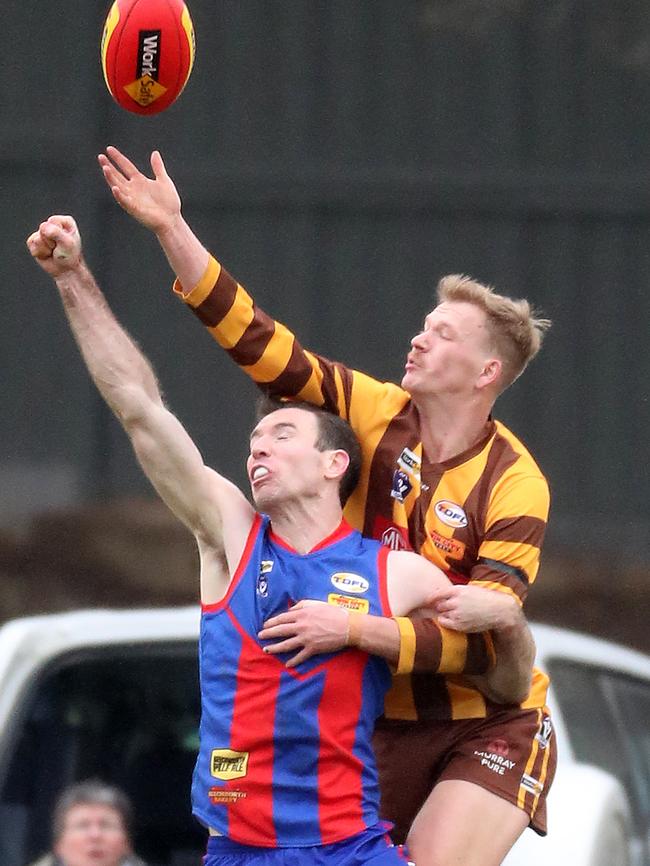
<point x="152" y="201"/>
<point x="312" y="627"/>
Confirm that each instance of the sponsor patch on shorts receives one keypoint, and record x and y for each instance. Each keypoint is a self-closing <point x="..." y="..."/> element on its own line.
<point x="495" y="758"/>
<point x="532" y="785"/>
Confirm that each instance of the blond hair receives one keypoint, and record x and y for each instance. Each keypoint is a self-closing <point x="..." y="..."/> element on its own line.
<point x="514" y="328"/>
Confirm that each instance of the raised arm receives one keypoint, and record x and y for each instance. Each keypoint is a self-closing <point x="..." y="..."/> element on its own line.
<point x="265" y="349"/>
<point x="156" y="204"/>
<point x="209" y="505"/>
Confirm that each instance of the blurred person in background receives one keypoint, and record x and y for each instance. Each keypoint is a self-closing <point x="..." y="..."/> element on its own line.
<point x="91" y="826"/>
<point x="441" y="477"/>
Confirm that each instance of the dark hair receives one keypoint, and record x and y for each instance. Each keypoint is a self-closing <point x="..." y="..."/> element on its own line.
<point x="92" y="792"/>
<point x="333" y="434"/>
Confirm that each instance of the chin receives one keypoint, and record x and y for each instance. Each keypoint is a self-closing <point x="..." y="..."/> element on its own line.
<point x="260" y="500"/>
<point x="265" y="499"/>
<point x="408" y="384"/>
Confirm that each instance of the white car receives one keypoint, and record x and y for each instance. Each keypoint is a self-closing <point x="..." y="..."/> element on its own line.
<point x="114" y="695"/>
<point x="599" y="805"/>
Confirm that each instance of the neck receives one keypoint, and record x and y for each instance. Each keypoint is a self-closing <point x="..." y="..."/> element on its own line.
<point x="450" y="426"/>
<point x="304" y="524"/>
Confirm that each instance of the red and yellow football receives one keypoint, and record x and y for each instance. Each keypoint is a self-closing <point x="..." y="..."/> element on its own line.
<point x="147" y="53"/>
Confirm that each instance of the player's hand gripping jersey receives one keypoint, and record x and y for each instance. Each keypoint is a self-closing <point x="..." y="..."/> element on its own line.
<point x="481" y="516"/>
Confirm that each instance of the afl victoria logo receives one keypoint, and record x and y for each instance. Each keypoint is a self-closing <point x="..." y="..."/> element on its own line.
<point x="347" y="582"/>
<point x="450" y="513"/>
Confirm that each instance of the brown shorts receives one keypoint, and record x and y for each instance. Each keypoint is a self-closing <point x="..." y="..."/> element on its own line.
<point x="511" y="753"/>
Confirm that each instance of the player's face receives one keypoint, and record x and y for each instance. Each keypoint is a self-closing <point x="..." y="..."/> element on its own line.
<point x="448" y="356"/>
<point x="284" y="463"/>
<point x="93" y="835"/>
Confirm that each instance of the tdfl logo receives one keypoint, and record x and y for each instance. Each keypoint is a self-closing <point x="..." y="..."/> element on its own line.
<point x="347" y="582"/>
<point x="450" y="514"/>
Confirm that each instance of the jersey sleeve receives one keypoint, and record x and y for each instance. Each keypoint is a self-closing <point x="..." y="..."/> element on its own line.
<point x="269" y="352"/>
<point x="508" y="557"/>
<point x="427" y="646"/>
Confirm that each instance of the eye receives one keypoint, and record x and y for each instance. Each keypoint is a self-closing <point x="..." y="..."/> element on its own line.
<point x="443" y="332"/>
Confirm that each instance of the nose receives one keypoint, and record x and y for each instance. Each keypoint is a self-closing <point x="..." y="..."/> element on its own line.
<point x="419" y="341"/>
<point x="260" y="447"/>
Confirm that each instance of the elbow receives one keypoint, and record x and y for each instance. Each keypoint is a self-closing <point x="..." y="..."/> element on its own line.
<point x="515" y="691"/>
<point x="133" y="406"/>
<point x="518" y="694"/>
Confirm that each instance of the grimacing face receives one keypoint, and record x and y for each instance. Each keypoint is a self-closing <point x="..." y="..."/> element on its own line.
<point x="93" y="835"/>
<point x="450" y="353"/>
<point x="284" y="462"/>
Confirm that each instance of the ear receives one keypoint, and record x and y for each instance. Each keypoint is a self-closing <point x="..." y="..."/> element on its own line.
<point x="490" y="374"/>
<point x="336" y="463"/>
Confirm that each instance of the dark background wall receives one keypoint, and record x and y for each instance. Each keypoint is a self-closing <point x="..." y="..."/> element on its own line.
<point x="339" y="157"/>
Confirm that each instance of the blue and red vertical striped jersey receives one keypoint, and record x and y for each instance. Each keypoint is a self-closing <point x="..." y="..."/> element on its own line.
<point x="285" y="756"/>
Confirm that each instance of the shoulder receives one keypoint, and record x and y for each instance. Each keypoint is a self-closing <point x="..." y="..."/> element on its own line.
<point x="387" y="398"/>
<point x="521" y="459"/>
<point x="518" y="486"/>
<point x="401" y="563"/>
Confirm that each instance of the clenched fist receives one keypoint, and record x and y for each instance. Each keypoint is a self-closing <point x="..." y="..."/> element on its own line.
<point x="56" y="245"/>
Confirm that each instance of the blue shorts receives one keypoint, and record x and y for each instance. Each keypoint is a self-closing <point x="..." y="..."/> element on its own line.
<point x="373" y="847"/>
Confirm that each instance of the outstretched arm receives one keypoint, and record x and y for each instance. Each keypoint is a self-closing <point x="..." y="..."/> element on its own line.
<point x="212" y="508"/>
<point x="156" y="204"/>
<point x="265" y="349"/>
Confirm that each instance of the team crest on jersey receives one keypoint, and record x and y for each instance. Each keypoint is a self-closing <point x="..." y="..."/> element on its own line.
<point x="349" y="602"/>
<point x="348" y="582"/>
<point x="226" y="764"/>
<point x="450" y="513"/>
<point x="410" y="462"/>
<point x="262" y="587"/>
<point x="401" y="486"/>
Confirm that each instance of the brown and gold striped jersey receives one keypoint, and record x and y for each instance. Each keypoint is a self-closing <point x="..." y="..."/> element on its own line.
<point x="480" y="516"/>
